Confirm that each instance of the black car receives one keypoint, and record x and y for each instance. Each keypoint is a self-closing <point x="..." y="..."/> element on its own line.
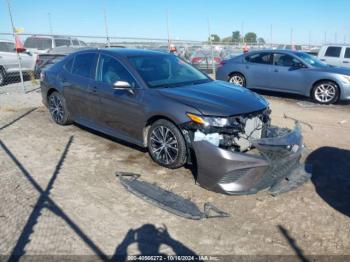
<point x="158" y="101"/>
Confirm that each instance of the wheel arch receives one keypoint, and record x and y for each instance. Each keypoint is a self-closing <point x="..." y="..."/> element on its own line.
<point x="153" y="119"/>
<point x="324" y="80"/>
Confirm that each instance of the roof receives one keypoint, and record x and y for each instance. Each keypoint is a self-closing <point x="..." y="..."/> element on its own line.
<point x="131" y="52"/>
<point x="287" y="51"/>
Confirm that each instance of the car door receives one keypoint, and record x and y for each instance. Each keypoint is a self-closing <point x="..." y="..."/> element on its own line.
<point x="289" y="73"/>
<point x="8" y="57"/>
<point x="121" y="109"/>
<point x="332" y="55"/>
<point x="346" y="60"/>
<point x="77" y="79"/>
<point x="258" y="70"/>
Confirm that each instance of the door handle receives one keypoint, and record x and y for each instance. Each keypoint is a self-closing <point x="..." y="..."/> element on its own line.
<point x="323" y="59"/>
<point x="276" y="70"/>
<point x="346" y="62"/>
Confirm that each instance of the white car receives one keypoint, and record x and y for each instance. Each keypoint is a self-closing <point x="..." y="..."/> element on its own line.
<point x="336" y="55"/>
<point x="42" y="44"/>
<point x="9" y="65"/>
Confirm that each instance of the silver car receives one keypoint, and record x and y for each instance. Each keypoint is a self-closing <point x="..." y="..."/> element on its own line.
<point x="287" y="71"/>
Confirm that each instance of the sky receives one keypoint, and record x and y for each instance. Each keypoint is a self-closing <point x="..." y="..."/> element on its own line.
<point x="309" y="20"/>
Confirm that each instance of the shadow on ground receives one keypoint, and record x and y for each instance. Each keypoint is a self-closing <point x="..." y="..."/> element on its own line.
<point x="149" y="240"/>
<point x="331" y="176"/>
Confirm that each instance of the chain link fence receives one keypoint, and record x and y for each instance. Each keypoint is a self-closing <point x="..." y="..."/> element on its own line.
<point x="22" y="68"/>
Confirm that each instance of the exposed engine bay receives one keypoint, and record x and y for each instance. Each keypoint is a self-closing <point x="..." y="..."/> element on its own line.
<point x="245" y="154"/>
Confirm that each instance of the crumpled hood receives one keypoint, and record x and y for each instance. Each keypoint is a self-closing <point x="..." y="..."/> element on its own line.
<point x="217" y="98"/>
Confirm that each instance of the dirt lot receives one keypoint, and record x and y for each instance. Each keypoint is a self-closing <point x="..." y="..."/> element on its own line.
<point x="59" y="194"/>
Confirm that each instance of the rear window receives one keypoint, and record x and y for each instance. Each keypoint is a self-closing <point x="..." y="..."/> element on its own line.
<point x="62" y="42"/>
<point x="38" y="43"/>
<point x="7" y="47"/>
<point x="84" y="65"/>
<point x="347" y="53"/>
<point x="333" y="51"/>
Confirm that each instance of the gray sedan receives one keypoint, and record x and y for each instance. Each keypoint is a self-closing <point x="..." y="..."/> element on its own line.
<point x="287" y="71"/>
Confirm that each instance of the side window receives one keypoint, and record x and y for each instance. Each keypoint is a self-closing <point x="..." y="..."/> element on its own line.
<point x="347" y="53"/>
<point x="285" y="60"/>
<point x="333" y="51"/>
<point x="69" y="64"/>
<point x="75" y="42"/>
<point x="84" y="65"/>
<point x="62" y="42"/>
<point x="110" y="71"/>
<point x="261" y="58"/>
<point x="7" y="47"/>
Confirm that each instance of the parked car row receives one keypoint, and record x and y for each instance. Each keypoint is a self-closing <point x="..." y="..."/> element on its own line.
<point x="288" y="71"/>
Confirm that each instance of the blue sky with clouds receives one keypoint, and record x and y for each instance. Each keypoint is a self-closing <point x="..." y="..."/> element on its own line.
<point x="310" y="19"/>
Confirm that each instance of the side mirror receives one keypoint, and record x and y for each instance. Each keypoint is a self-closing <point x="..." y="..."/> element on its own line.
<point x="121" y="85"/>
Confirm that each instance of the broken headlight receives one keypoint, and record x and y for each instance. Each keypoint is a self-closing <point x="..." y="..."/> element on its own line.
<point x="211" y="121"/>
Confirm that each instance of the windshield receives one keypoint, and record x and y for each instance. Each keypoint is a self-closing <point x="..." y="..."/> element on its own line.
<point x="38" y="43"/>
<point x="311" y="60"/>
<point x="166" y="71"/>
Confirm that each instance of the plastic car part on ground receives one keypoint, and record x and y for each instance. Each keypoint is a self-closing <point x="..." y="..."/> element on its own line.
<point x="276" y="166"/>
<point x="167" y="200"/>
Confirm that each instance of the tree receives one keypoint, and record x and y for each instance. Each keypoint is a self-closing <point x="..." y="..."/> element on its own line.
<point x="236" y="36"/>
<point x="227" y="39"/>
<point x="214" y="38"/>
<point x="261" y="41"/>
<point x="250" y="38"/>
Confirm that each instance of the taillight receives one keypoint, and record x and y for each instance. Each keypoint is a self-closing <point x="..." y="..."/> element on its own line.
<point x="196" y="59"/>
<point x="222" y="63"/>
<point x="42" y="76"/>
<point x="217" y="59"/>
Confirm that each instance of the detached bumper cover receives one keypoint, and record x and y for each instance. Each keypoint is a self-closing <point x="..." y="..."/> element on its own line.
<point x="234" y="173"/>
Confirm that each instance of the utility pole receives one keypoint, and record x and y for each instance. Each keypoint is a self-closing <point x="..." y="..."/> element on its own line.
<point x="14" y="38"/>
<point x="291" y="36"/>
<point x="106" y="27"/>
<point x="242" y="30"/>
<point x="325" y="38"/>
<point x="271" y="35"/>
<point x="212" y="50"/>
<point x="310" y="39"/>
<point x="167" y="28"/>
<point x="335" y="38"/>
<point x="50" y="23"/>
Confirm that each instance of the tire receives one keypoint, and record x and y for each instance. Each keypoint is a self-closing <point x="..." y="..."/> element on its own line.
<point x="237" y="79"/>
<point x="325" y="92"/>
<point x="58" y="109"/>
<point x="166" y="145"/>
<point x="2" y="76"/>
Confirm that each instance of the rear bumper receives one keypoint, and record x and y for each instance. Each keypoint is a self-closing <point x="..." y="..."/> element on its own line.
<point x="228" y="172"/>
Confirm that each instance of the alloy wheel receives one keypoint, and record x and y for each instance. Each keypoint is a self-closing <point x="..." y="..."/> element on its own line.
<point x="237" y="80"/>
<point x="325" y="93"/>
<point x="56" y="108"/>
<point x="164" y="145"/>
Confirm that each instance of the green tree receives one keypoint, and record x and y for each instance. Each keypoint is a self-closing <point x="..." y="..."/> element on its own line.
<point x="250" y="38"/>
<point x="261" y="41"/>
<point x="227" y="39"/>
<point x="214" y="38"/>
<point x="236" y="36"/>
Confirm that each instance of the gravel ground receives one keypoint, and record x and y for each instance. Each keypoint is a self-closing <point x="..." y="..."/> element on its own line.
<point x="59" y="194"/>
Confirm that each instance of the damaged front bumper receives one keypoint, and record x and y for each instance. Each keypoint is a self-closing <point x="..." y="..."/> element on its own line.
<point x="224" y="171"/>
